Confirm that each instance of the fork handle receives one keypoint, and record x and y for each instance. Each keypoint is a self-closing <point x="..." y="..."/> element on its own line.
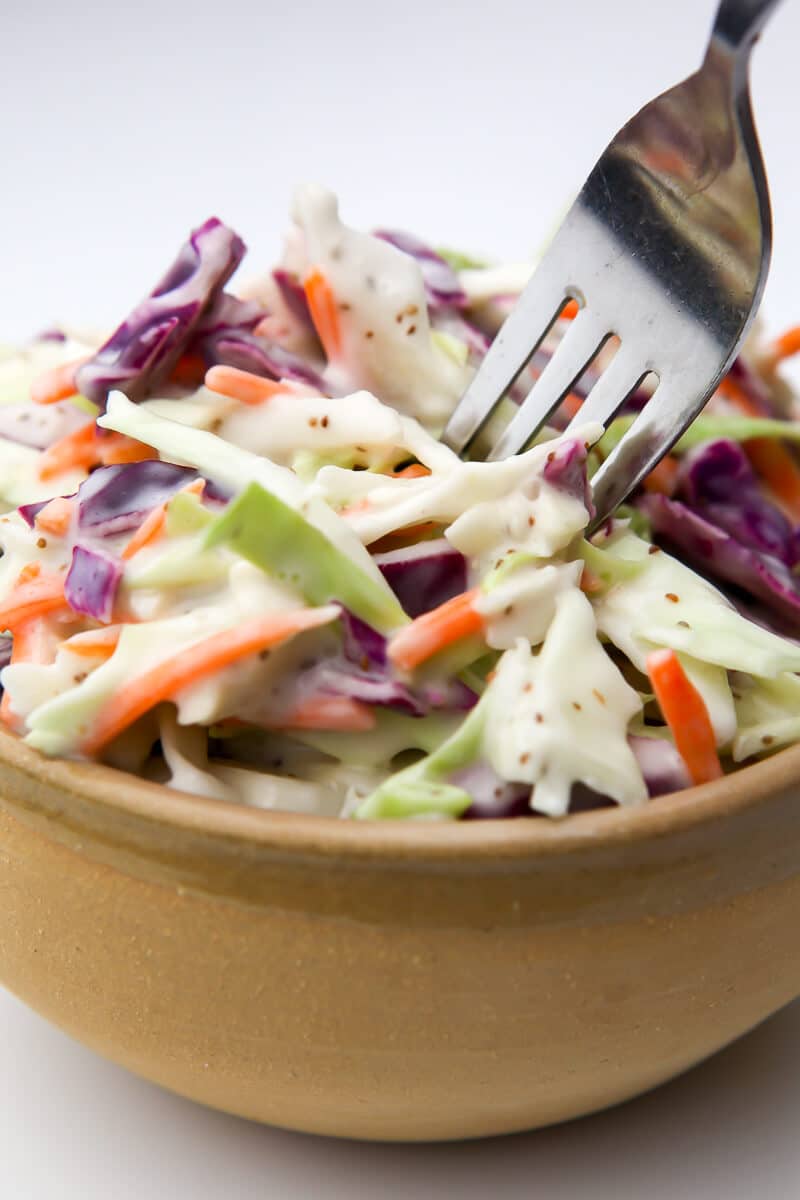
<point x="739" y="22"/>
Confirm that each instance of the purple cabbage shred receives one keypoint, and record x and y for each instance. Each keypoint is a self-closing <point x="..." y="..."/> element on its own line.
<point x="116" y="499"/>
<point x="565" y="469"/>
<point x="146" y="346"/>
<point x="442" y="286"/>
<point x="718" y="483"/>
<point x="92" y="581"/>
<point x="424" y="575"/>
<point x="719" y="556"/>
<point x="294" y="296"/>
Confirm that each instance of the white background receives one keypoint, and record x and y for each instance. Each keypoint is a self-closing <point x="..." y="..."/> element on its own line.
<point x="472" y="124"/>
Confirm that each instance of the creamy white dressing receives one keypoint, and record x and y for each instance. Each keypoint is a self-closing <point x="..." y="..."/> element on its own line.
<point x="20" y="482"/>
<point x="387" y="346"/>
<point x="370" y="433"/>
<point x="21" y="365"/>
<point x="552" y="725"/>
<point x="60" y="724"/>
<point x="485" y="283"/>
<point x="232" y="467"/>
<point x="556" y="712"/>
<point x="767" y="714"/>
<point x="489" y="507"/>
<point x="523" y="606"/>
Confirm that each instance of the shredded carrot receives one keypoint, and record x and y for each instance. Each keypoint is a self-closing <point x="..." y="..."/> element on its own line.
<point x="415" y="471"/>
<point x="94" y="643"/>
<point x="31" y="570"/>
<point x="164" y="680"/>
<point x="152" y="526"/>
<point x="84" y="448"/>
<point x="572" y="404"/>
<point x="56" y="384"/>
<point x="404" y="537"/>
<point x="777" y="467"/>
<point x="786" y="346"/>
<point x="33" y="643"/>
<point x="116" y="448"/>
<point x="739" y="397"/>
<point x="570" y="311"/>
<point x="663" y="477"/>
<point x="149" y="530"/>
<point x="55" y="517"/>
<point x="338" y="713"/>
<point x="770" y="458"/>
<point x="591" y="584"/>
<point x="7" y="714"/>
<point x="324" y="313"/>
<point x="685" y="712"/>
<point x="33" y="596"/>
<point x="434" y="631"/>
<point x="244" y="386"/>
<point x="190" y="370"/>
<point x="75" y="451"/>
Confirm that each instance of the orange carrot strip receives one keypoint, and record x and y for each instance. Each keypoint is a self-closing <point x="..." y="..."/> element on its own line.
<point x="324" y="313"/>
<point x="152" y="526"/>
<point x="190" y="370"/>
<point x="415" y="471"/>
<point x="55" y="517"/>
<point x="58" y="383"/>
<point x="115" y="448"/>
<point x="242" y="385"/>
<point x="31" y="570"/>
<point x="76" y="450"/>
<point x="339" y="713"/>
<point x="434" y="631"/>
<point x="572" y="404"/>
<point x="771" y="459"/>
<point x="685" y="712"/>
<point x="84" y="449"/>
<point x="739" y="397"/>
<point x="787" y="345"/>
<point x="33" y="643"/>
<point x="149" y="530"/>
<point x="404" y="537"/>
<point x="590" y="583"/>
<point x="570" y="311"/>
<point x="7" y="714"/>
<point x="94" y="643"/>
<point x="663" y="477"/>
<point x="775" y="464"/>
<point x="167" y="678"/>
<point x="33" y="597"/>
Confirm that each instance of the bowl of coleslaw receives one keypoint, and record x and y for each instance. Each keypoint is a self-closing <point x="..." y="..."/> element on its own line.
<point x="351" y="786"/>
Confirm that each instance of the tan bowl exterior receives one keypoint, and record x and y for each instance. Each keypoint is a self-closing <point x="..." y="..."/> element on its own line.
<point x="398" y="981"/>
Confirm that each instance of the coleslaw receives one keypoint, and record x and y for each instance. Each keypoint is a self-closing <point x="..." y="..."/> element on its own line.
<point x="238" y="560"/>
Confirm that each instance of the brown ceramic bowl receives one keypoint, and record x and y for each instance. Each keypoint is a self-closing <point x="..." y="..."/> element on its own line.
<point x="398" y="981"/>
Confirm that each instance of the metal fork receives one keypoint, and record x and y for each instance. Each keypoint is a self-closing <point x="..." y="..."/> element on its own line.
<point x="667" y="247"/>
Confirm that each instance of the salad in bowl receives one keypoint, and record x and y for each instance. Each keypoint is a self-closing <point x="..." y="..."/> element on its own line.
<point x="238" y="560"/>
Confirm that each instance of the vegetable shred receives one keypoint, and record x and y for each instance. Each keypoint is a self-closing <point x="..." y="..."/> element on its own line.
<point x="235" y="550"/>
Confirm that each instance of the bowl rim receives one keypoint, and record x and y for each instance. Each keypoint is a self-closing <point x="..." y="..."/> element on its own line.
<point x="116" y="794"/>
